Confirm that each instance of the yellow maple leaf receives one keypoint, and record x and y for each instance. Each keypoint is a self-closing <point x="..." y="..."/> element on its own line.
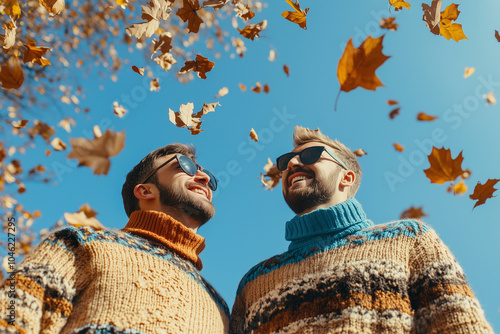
<point x="298" y="15"/>
<point x="399" y="4"/>
<point x="447" y="28"/>
<point x="11" y="8"/>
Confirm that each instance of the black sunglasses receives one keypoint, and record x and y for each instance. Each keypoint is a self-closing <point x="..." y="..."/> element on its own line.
<point x="307" y="156"/>
<point x="189" y="167"/>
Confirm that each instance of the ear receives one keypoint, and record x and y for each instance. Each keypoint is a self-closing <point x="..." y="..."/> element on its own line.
<point x="145" y="191"/>
<point x="347" y="179"/>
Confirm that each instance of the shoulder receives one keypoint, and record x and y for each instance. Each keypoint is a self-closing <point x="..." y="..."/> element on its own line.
<point x="72" y="236"/>
<point x="412" y="228"/>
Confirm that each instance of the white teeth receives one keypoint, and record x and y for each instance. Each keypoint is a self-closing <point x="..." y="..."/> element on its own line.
<point x="198" y="191"/>
<point x="298" y="178"/>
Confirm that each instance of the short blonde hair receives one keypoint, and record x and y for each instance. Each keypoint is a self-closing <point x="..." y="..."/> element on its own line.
<point x="303" y="135"/>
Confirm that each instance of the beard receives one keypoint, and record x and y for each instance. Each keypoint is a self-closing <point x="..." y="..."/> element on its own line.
<point x="318" y="192"/>
<point x="199" y="210"/>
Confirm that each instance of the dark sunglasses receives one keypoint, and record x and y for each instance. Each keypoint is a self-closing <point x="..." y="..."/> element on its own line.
<point x="189" y="167"/>
<point x="307" y="156"/>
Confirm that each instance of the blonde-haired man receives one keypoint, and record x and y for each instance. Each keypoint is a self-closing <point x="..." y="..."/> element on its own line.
<point x="342" y="273"/>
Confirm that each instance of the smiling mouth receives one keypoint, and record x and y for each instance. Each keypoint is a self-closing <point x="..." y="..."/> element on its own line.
<point x="297" y="177"/>
<point x="199" y="191"/>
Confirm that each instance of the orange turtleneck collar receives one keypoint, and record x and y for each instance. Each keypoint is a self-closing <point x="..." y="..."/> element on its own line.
<point x="161" y="228"/>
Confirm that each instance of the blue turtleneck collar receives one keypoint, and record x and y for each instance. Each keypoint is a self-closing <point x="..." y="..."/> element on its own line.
<point x="336" y="221"/>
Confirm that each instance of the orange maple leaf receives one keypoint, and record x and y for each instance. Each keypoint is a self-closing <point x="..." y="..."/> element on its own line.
<point x="388" y="24"/>
<point x="412" y="212"/>
<point x="11" y="74"/>
<point x="298" y="15"/>
<point x="272" y="177"/>
<point x="399" y="4"/>
<point x="442" y="167"/>
<point x="424" y="117"/>
<point x="201" y="65"/>
<point x="35" y="54"/>
<point x="252" y="30"/>
<point x="188" y="13"/>
<point x="483" y="191"/>
<point x="186" y="119"/>
<point x="441" y="23"/>
<point x="357" y="66"/>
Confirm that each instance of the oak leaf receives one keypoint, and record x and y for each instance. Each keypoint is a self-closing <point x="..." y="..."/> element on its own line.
<point x="415" y="213"/>
<point x="458" y="189"/>
<point x="184" y="118"/>
<point x="35" y="54"/>
<point x="252" y="30"/>
<point x="424" y="117"/>
<point x="254" y="135"/>
<point x="201" y="66"/>
<point x="157" y="9"/>
<point x="54" y="7"/>
<point x="95" y="153"/>
<point x="359" y="152"/>
<point x="399" y="4"/>
<point x="188" y="13"/>
<point x="166" y="61"/>
<point x="443" y="167"/>
<point x="388" y="23"/>
<point x="483" y="191"/>
<point x="298" y="15"/>
<point x="272" y="177"/>
<point x="11" y="74"/>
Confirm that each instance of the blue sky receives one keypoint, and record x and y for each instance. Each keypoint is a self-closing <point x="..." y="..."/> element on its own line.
<point x="424" y="73"/>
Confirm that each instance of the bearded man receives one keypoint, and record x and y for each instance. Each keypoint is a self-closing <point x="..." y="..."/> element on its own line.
<point x="141" y="279"/>
<point x="342" y="273"/>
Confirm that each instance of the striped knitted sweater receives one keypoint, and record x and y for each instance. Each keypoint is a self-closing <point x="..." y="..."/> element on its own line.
<point x="142" y="279"/>
<point x="342" y="274"/>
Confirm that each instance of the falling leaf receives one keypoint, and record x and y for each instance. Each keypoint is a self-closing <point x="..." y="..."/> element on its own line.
<point x="158" y="9"/>
<point x="122" y="3"/>
<point x="97" y="131"/>
<point x="19" y="124"/>
<point x="138" y="70"/>
<point x="154" y="85"/>
<point x="11" y="74"/>
<point x="497" y="35"/>
<point x="448" y="29"/>
<point x="394" y="112"/>
<point x="166" y="61"/>
<point x="359" y="152"/>
<point x="95" y="153"/>
<point x="223" y="91"/>
<point x="184" y="118"/>
<point x="54" y="7"/>
<point x="58" y="144"/>
<point x="88" y="211"/>
<point x="357" y="66"/>
<point x="442" y="167"/>
<point x="399" y="4"/>
<point x="287" y="70"/>
<point x="188" y="12"/>
<point x="392" y="102"/>
<point x="298" y="15"/>
<point x="10" y="35"/>
<point x="163" y="44"/>
<point x="35" y="54"/>
<point x="252" y="30"/>
<point x="201" y="66"/>
<point x="272" y="55"/>
<point x="424" y="117"/>
<point x="66" y="124"/>
<point x="257" y="88"/>
<point x="254" y="135"/>
<point x="415" y="213"/>
<point x="79" y="219"/>
<point x="242" y="87"/>
<point x="243" y="11"/>
<point x="11" y="8"/>
<point x="266" y="88"/>
<point x="483" y="191"/>
<point x="466" y="174"/>
<point x="388" y="23"/>
<point x="490" y="98"/>
<point x="119" y="110"/>
<point x="42" y="129"/>
<point x="432" y="15"/>
<point x="469" y="71"/>
<point x="398" y="147"/>
<point x="273" y="175"/>
<point x="215" y="4"/>
<point x="458" y="189"/>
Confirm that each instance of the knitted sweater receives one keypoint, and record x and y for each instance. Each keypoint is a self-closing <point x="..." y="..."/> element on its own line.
<point x="342" y="274"/>
<point x="142" y="279"/>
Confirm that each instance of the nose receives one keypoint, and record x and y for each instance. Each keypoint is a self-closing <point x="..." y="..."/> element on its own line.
<point x="294" y="161"/>
<point x="201" y="177"/>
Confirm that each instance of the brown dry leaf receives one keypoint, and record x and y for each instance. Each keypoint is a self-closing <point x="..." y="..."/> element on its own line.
<point x="157" y="9"/>
<point x="257" y="88"/>
<point x="154" y="85"/>
<point x="243" y="11"/>
<point x="442" y="167"/>
<point x="11" y="74"/>
<point x="242" y="87"/>
<point x="35" y="54"/>
<point x="424" y="117"/>
<point x="432" y="15"/>
<point x="497" y="35"/>
<point x="490" y="98"/>
<point x="298" y="15"/>
<point x="188" y="12"/>
<point x="399" y="4"/>
<point x="398" y="147"/>
<point x="287" y="70"/>
<point x="11" y="8"/>
<point x="215" y="4"/>
<point x="79" y="219"/>
<point x="119" y="110"/>
<point x="273" y="175"/>
<point x="222" y="92"/>
<point x="163" y="44"/>
<point x="54" y="7"/>
<point x="10" y="35"/>
<point x="448" y="29"/>
<point x="266" y="88"/>
<point x="415" y="213"/>
<point x="392" y="102"/>
<point x="97" y="131"/>
<point x="42" y="129"/>
<point x="468" y="72"/>
<point x="394" y="112"/>
<point x="96" y="153"/>
<point x="252" y="30"/>
<point x="166" y="61"/>
<point x="201" y="66"/>
<point x="483" y="191"/>
<point x="458" y="189"/>
<point x="66" y="124"/>
<point x="359" y="152"/>
<point x="388" y="23"/>
<point x="254" y="135"/>
<point x="88" y="211"/>
<point x="358" y="65"/>
<point x="138" y="70"/>
<point x="122" y="3"/>
<point x="58" y="144"/>
<point x="184" y="118"/>
<point x="19" y="124"/>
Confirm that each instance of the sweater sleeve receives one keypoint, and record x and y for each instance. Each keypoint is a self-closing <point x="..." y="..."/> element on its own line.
<point x="38" y="294"/>
<point x="440" y="294"/>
